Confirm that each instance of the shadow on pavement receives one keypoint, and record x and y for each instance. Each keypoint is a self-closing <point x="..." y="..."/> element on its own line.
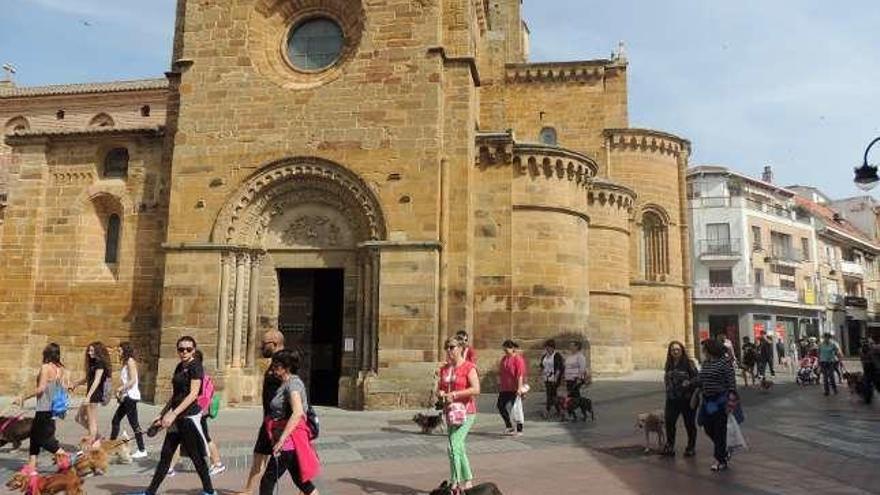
<point x="378" y="487"/>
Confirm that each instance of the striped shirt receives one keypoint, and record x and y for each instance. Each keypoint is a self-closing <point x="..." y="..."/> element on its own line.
<point x="717" y="377"/>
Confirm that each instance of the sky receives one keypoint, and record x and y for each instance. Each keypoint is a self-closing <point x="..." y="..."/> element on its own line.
<point x="790" y="83"/>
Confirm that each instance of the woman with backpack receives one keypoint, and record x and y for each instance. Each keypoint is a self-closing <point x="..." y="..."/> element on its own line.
<point x="128" y="395"/>
<point x="98" y="380"/>
<point x="51" y="403"/>
<point x="288" y="429"/>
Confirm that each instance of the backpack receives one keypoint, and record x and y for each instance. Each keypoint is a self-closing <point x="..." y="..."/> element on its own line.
<point x="207" y="394"/>
<point x="60" y="402"/>
<point x="313" y="422"/>
<point x="214" y="408"/>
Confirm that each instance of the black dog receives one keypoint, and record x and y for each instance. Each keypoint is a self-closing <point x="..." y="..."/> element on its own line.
<point x="572" y="404"/>
<point x="428" y="422"/>
<point x="14" y="430"/>
<point x="481" y="489"/>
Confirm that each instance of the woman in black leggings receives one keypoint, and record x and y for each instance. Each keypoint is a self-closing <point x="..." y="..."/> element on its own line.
<point x="182" y="417"/>
<point x="128" y="396"/>
<point x="49" y="383"/>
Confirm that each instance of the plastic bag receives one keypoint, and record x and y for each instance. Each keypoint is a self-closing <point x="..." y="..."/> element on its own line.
<point x="516" y="412"/>
<point x="735" y="439"/>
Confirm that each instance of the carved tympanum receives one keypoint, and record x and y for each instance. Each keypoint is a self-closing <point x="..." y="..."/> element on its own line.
<point x="313" y="230"/>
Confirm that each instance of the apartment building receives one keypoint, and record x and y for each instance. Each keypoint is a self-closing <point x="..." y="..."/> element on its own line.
<point x="754" y="263"/>
<point x="847" y="269"/>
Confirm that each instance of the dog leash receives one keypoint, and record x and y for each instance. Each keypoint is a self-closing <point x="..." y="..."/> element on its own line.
<point x="11" y="421"/>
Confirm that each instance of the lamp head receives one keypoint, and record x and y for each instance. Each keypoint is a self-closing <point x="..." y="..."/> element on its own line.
<point x="866" y="177"/>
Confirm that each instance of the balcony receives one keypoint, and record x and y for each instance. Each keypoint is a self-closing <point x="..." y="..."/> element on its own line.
<point x="777" y="210"/>
<point x="852" y="269"/>
<point x="782" y="254"/>
<point x="725" y="292"/>
<point x="719" y="250"/>
<point x="855" y="302"/>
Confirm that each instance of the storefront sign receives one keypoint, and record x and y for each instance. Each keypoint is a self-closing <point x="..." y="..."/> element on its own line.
<point x="758" y="329"/>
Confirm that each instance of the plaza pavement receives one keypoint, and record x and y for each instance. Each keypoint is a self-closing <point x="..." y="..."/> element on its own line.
<point x="800" y="442"/>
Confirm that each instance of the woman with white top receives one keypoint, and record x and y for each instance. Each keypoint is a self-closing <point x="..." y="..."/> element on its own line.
<point x="128" y="395"/>
<point x="576" y="373"/>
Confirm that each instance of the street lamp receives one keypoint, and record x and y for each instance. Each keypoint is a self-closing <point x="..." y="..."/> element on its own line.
<point x="866" y="175"/>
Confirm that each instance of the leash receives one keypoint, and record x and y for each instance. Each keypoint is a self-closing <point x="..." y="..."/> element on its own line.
<point x="10" y="421"/>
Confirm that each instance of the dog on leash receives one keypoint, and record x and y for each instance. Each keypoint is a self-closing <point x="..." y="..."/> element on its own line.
<point x="855" y="381"/>
<point x="66" y="481"/>
<point x="14" y="430"/>
<point x="96" y="461"/>
<point x="428" y="422"/>
<point x="652" y="422"/>
<point x="572" y="404"/>
<point x="482" y="489"/>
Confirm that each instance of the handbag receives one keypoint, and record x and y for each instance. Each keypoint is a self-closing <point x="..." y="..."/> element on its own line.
<point x="456" y="412"/>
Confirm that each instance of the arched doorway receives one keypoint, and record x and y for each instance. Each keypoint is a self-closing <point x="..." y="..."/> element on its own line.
<point x="297" y="255"/>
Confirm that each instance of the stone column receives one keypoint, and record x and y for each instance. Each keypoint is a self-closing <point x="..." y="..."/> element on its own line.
<point x="223" y="323"/>
<point x="253" y="304"/>
<point x="241" y="261"/>
<point x="373" y="323"/>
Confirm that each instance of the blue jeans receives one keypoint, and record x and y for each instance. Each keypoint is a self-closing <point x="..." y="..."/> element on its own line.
<point x="828" y="368"/>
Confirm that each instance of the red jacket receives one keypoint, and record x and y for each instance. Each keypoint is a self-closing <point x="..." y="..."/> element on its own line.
<point x="509" y="371"/>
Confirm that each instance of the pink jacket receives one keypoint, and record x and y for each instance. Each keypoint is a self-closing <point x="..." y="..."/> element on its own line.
<point x="299" y="443"/>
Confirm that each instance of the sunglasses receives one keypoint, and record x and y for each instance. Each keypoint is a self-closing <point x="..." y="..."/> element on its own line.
<point x="450" y="347"/>
<point x="185" y="349"/>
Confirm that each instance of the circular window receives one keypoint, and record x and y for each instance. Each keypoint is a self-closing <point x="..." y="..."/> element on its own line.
<point x="315" y="44"/>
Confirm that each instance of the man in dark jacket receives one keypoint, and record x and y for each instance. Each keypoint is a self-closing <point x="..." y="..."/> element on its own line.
<point x="765" y="356"/>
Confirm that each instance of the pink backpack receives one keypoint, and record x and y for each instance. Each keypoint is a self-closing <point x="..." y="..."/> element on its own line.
<point x="207" y="393"/>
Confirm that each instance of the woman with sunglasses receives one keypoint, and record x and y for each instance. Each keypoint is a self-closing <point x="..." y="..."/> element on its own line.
<point x="182" y="417"/>
<point x="459" y="383"/>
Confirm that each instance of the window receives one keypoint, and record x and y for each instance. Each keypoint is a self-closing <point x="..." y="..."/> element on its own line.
<point x="16" y="124"/>
<point x="720" y="278"/>
<point x="59" y="115"/>
<point x="781" y="246"/>
<point x="111" y="242"/>
<point x="870" y="295"/>
<point x="787" y="283"/>
<point x="756" y="237"/>
<point x="145" y="111"/>
<point x="718" y="238"/>
<point x="805" y="247"/>
<point x="116" y="163"/>
<point x="759" y="276"/>
<point x="102" y="120"/>
<point x="655" y="247"/>
<point x="315" y="44"/>
<point x="548" y="136"/>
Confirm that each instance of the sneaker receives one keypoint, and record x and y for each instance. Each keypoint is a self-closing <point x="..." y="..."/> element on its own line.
<point x="509" y="432"/>
<point x="140" y="454"/>
<point x="171" y="473"/>
<point x="718" y="466"/>
<point x="217" y="469"/>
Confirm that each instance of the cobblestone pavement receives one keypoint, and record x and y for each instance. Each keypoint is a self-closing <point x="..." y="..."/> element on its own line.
<point x="800" y="442"/>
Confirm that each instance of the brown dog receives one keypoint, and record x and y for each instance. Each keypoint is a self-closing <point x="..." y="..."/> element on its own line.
<point x="481" y="489"/>
<point x="428" y="422"/>
<point x="64" y="482"/>
<point x="97" y="460"/>
<point x="14" y="430"/>
<point x="653" y="422"/>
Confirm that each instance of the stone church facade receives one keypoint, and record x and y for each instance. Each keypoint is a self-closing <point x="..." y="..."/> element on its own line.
<point x="369" y="176"/>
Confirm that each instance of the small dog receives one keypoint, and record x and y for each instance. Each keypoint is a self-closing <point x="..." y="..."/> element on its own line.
<point x="96" y="461"/>
<point x="64" y="482"/>
<point x="482" y="489"/>
<point x="428" y="422"/>
<point x="765" y="384"/>
<point x="572" y="404"/>
<point x="855" y="381"/>
<point x="653" y="422"/>
<point x="14" y="430"/>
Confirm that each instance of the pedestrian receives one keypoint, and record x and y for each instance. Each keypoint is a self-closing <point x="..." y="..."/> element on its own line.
<point x="829" y="355"/>
<point x="680" y="379"/>
<point x="98" y="384"/>
<point x="50" y="383"/>
<point x="765" y="356"/>
<point x="749" y="360"/>
<point x="181" y="417"/>
<point x="576" y="373"/>
<point x="511" y="376"/>
<point x="867" y="391"/>
<point x="552" y="369"/>
<point x="458" y="388"/>
<point x="288" y="429"/>
<point x="717" y="384"/>
<point x="469" y="353"/>
<point x="780" y="352"/>
<point x="272" y="342"/>
<point x="128" y="395"/>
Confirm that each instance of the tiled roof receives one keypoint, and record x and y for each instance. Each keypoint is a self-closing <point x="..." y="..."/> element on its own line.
<point x="827" y="215"/>
<point x="83" y="88"/>
<point x="82" y="131"/>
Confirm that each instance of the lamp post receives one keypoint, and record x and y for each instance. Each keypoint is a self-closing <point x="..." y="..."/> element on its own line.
<point x="866" y="175"/>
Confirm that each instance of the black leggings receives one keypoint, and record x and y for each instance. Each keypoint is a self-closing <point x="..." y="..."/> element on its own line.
<point x="286" y="461"/>
<point x="681" y="406"/>
<point x="187" y="432"/>
<point x="551" y="389"/>
<point x="504" y="404"/>
<point x="128" y="407"/>
<point x="43" y="434"/>
<point x="716" y="428"/>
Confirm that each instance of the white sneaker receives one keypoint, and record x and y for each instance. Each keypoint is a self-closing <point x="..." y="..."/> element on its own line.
<point x="171" y="473"/>
<point x="217" y="469"/>
<point x="140" y="454"/>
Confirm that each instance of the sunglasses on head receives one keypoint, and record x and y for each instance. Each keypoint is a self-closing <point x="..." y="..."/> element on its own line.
<point x="185" y="349"/>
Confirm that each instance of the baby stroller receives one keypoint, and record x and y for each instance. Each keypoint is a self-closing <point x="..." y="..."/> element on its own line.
<point x="808" y="371"/>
